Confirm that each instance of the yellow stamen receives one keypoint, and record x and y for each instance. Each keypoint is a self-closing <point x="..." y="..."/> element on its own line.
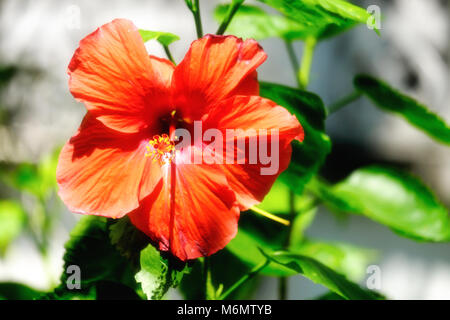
<point x="161" y="149"/>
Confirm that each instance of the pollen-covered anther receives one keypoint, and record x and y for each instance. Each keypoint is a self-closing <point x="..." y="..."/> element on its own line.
<point x="161" y="149"/>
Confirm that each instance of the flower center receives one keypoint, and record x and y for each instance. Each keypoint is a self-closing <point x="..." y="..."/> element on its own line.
<point x="161" y="149"/>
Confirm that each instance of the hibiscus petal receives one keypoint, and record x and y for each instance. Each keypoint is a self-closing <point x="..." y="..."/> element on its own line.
<point x="113" y="75"/>
<point x="248" y="180"/>
<point x="164" y="68"/>
<point x="205" y="215"/>
<point x="216" y="67"/>
<point x="105" y="172"/>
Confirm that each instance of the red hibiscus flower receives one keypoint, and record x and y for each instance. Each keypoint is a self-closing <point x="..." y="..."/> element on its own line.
<point x="122" y="159"/>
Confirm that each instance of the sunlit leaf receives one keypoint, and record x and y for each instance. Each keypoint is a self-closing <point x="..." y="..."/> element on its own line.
<point x="157" y="274"/>
<point x="320" y="274"/>
<point x="12" y="218"/>
<point x="321" y="18"/>
<point x="278" y="201"/>
<point x="253" y="22"/>
<point x="392" y="100"/>
<point x="393" y="198"/>
<point x="308" y="156"/>
<point x="165" y="38"/>
<point x="152" y="271"/>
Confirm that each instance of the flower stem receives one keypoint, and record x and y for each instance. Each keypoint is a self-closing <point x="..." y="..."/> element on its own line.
<point x="302" y="76"/>
<point x="308" y="53"/>
<point x="344" y="101"/>
<point x="244" y="279"/>
<point x="282" y="288"/>
<point x="168" y="54"/>
<point x="209" y="289"/>
<point x="232" y="9"/>
<point x="194" y="6"/>
<point x="270" y="216"/>
<point x="293" y="59"/>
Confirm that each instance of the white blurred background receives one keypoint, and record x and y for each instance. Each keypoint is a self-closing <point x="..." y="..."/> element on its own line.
<point x="412" y="54"/>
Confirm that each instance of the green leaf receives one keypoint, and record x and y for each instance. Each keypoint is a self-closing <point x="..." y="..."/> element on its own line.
<point x="321" y="18"/>
<point x="152" y="271"/>
<point x="346" y="259"/>
<point x="253" y="22"/>
<point x="17" y="291"/>
<point x="165" y="38"/>
<point x="308" y="156"/>
<point x="100" y="264"/>
<point x="389" y="99"/>
<point x="393" y="198"/>
<point x="320" y="274"/>
<point x="157" y="275"/>
<point x="277" y="201"/>
<point x="12" y="219"/>
<point x="128" y="240"/>
<point x="90" y="249"/>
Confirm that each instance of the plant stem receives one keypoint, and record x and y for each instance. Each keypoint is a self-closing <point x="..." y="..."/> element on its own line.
<point x="283" y="282"/>
<point x="245" y="278"/>
<point x="232" y="9"/>
<point x="195" y="9"/>
<point x="302" y="76"/>
<point x="293" y="59"/>
<point x="270" y="216"/>
<point x="209" y="288"/>
<point x="308" y="53"/>
<point x="282" y="288"/>
<point x="344" y="101"/>
<point x="168" y="54"/>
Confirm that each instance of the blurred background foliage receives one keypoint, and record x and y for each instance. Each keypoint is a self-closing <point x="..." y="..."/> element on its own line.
<point x="358" y="168"/>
